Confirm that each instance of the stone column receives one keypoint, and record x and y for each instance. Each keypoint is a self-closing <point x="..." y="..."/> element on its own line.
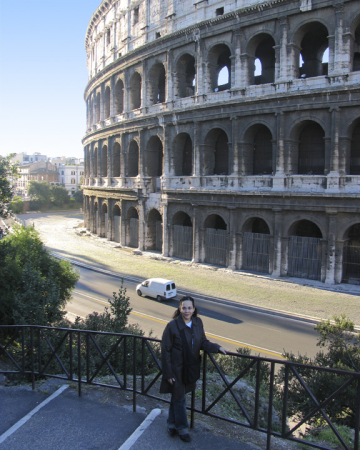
<point x="333" y="175"/>
<point x="340" y="61"/>
<point x="143" y="94"/>
<point x="293" y="52"/>
<point x="246" y="61"/>
<point x="283" y="54"/>
<point x="339" y="258"/>
<point x="122" y="224"/>
<point x="110" y="221"/>
<point x="109" y="161"/>
<point x="141" y="224"/>
<point x="196" y="234"/>
<point x="278" y="179"/>
<point x="112" y="98"/>
<point x="93" y="96"/>
<point x="123" y="162"/>
<point x="232" y="239"/>
<point x="102" y="105"/>
<point x="235" y="146"/>
<point x="165" y="230"/>
<point x="169" y="78"/>
<point x="126" y="105"/>
<point x="199" y="64"/>
<point x="284" y="256"/>
<point x="236" y="62"/>
<point x="277" y="242"/>
<point x="330" y="262"/>
<point x="141" y="153"/>
<point x="240" y="247"/>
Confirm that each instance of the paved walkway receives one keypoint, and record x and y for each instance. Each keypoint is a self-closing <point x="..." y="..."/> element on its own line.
<point x="41" y="420"/>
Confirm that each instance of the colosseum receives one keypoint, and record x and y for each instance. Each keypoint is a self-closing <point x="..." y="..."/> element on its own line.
<point x="227" y="133"/>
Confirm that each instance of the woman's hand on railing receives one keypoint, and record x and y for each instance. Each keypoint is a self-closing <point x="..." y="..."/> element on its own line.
<point x="222" y="350"/>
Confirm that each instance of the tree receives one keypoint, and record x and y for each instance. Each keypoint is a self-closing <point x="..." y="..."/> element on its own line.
<point x="78" y="196"/>
<point x="16" y="205"/>
<point x="34" y="286"/>
<point x="7" y="170"/>
<point x="40" y="190"/>
<point x="59" y="195"/>
<point x="343" y="353"/>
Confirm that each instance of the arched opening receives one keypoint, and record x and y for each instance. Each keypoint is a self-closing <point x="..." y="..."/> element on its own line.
<point x="135" y="91"/>
<point x="311" y="159"/>
<point x="355" y="151"/>
<point x="103" y="221"/>
<point x="351" y="256"/>
<point x="182" y="155"/>
<point x="305" y="250"/>
<point x="132" y="228"/>
<point x="107" y="102"/>
<point x="133" y="160"/>
<point x="117" y="223"/>
<point x="182" y="236"/>
<point x="216" y="238"/>
<point x="95" y="162"/>
<point x="262" y="156"/>
<point x="98" y="107"/>
<point x="256" y="245"/>
<point x="185" y="76"/>
<point x="215" y="160"/>
<point x="154" y="157"/>
<point x="313" y="44"/>
<point x="356" y="49"/>
<point x="116" y="160"/>
<point x="156" y="84"/>
<point x="218" y="59"/>
<point x="154" y="231"/>
<point x="104" y="167"/>
<point x="119" y="97"/>
<point x="262" y="49"/>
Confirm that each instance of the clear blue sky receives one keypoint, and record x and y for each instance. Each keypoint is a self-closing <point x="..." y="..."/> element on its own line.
<point x="43" y="75"/>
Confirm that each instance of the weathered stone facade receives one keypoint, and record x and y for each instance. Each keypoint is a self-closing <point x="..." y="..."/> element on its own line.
<point x="192" y="152"/>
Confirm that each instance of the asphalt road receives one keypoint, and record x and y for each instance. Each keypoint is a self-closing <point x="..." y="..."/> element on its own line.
<point x="230" y="324"/>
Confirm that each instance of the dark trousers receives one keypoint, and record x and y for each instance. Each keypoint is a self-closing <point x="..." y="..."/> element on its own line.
<point x="177" y="416"/>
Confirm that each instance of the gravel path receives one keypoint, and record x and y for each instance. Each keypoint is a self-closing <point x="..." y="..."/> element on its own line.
<point x="61" y="233"/>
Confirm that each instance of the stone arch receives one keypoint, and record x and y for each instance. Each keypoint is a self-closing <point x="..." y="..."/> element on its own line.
<point x="135" y="91"/>
<point x="132" y="227"/>
<point x="305" y="250"/>
<point x="258" y="150"/>
<point x="98" y="101"/>
<point x="107" y="102"/>
<point x="182" y="235"/>
<point x="261" y="47"/>
<point x="133" y="159"/>
<point x="104" y="155"/>
<point x="307" y="153"/>
<point x="355" y="44"/>
<point x="215" y="157"/>
<point x="154" y="157"/>
<point x="154" y="230"/>
<point x="256" y="245"/>
<point x="351" y="254"/>
<point x="215" y="240"/>
<point x="185" y="76"/>
<point x="156" y="84"/>
<point x="116" y="166"/>
<point x="182" y="153"/>
<point x="218" y="58"/>
<point x="119" y="96"/>
<point x="116" y="215"/>
<point x="354" y="162"/>
<point x="312" y="40"/>
<point x="104" y="219"/>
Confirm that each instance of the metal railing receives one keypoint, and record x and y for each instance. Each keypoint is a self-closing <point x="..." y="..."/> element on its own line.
<point x="89" y="357"/>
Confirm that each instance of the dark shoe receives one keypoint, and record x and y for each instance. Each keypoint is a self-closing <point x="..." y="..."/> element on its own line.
<point x="171" y="431"/>
<point x="185" y="437"/>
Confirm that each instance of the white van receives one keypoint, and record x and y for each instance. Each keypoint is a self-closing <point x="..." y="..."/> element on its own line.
<point x="158" y="288"/>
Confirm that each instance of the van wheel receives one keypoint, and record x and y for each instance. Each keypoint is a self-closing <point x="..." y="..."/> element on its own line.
<point x="139" y="293"/>
<point x="158" y="298"/>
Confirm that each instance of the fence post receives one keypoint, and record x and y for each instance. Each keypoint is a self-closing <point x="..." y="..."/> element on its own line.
<point x="32" y="357"/>
<point x="23" y="349"/>
<point x="268" y="443"/>
<point x="79" y="364"/>
<point x="134" y="376"/>
<point x="357" y="418"/>
<point x="71" y="355"/>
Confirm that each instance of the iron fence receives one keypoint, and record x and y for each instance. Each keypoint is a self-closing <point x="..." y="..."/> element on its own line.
<point x="216" y="246"/>
<point x="183" y="241"/>
<point x="256" y="251"/>
<point x="351" y="263"/>
<point x="133" y="362"/>
<point x="305" y="254"/>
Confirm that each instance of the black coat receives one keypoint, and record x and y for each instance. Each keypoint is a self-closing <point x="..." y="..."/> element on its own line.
<point x="172" y="353"/>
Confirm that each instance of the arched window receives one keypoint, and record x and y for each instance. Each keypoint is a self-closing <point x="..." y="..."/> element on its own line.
<point x="98" y="107"/>
<point x="95" y="162"/>
<point x="154" y="231"/>
<point x="356" y="57"/>
<point x="135" y="91"/>
<point x="116" y="160"/>
<point x="215" y="156"/>
<point x="182" y="155"/>
<point x="185" y="76"/>
<point x="351" y="255"/>
<point x="156" y="84"/>
<point x="154" y="157"/>
<point x="107" y="102"/>
<point x="355" y="151"/>
<point x="119" y="97"/>
<point x="218" y="59"/>
<point x="311" y="150"/>
<point x="314" y="44"/>
<point x="104" y="167"/>
<point x="265" y="55"/>
<point x="133" y="160"/>
<point x="182" y="236"/>
<point x="262" y="164"/>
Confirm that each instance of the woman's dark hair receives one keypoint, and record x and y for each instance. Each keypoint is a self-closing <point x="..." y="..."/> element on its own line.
<point x="182" y="300"/>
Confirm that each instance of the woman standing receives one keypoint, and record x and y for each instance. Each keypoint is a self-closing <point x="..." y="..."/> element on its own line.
<point x="185" y="325"/>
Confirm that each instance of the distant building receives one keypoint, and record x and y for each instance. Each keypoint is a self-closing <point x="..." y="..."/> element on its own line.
<point x="39" y="171"/>
<point x="24" y="158"/>
<point x="71" y="176"/>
